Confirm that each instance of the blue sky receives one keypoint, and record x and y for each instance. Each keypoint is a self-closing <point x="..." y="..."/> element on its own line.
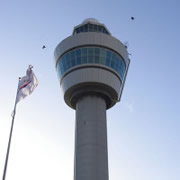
<point x="143" y="129"/>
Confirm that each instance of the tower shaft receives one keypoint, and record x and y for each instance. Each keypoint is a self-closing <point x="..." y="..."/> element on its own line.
<point x="91" y="157"/>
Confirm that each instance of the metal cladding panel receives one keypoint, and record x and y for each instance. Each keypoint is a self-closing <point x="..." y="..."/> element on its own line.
<point x="95" y="75"/>
<point x="90" y="39"/>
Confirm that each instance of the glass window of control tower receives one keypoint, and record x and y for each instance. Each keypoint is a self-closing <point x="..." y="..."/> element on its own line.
<point x="91" y="55"/>
<point x="90" y="28"/>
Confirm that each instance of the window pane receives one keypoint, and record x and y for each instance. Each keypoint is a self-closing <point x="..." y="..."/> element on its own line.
<point x="108" y="58"/>
<point x="97" y="51"/>
<point x="90" y="27"/>
<point x="73" y="62"/>
<point x="64" y="63"/>
<point x="90" y="59"/>
<point x="78" y="52"/>
<point x="122" y="69"/>
<point x="61" y="66"/>
<point x="97" y="55"/>
<point x="103" y="52"/>
<point x="102" y="60"/>
<point x="84" y="51"/>
<point x="100" y="28"/>
<point x="58" y="70"/>
<point x="116" y="63"/>
<point x="84" y="59"/>
<point x="97" y="59"/>
<point x="104" y="30"/>
<point x="81" y="29"/>
<point x="78" y="60"/>
<point x="90" y="55"/>
<point x="119" y="67"/>
<point x="90" y="51"/>
<point x="95" y="27"/>
<point x="113" y="60"/>
<point x="84" y="55"/>
<point x="68" y="61"/>
<point x="86" y="28"/>
<point x="77" y="30"/>
<point x="78" y="56"/>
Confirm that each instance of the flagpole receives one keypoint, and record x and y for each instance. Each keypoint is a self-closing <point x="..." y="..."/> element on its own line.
<point x="10" y="137"/>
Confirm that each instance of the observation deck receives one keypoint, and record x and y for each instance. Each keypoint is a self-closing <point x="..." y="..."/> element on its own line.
<point x="91" y="61"/>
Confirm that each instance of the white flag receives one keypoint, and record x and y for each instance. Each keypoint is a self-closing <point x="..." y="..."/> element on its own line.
<point x="26" y="85"/>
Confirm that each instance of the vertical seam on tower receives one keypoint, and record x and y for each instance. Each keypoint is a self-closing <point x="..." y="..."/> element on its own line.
<point x="96" y="137"/>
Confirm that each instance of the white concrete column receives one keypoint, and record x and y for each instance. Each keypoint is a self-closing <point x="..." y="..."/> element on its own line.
<point x="91" y="157"/>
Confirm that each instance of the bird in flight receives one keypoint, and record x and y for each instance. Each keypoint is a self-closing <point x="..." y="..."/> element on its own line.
<point x="126" y="44"/>
<point x="43" y="47"/>
<point x="132" y="18"/>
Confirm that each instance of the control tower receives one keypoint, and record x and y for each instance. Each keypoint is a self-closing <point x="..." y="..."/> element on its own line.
<point x="92" y="66"/>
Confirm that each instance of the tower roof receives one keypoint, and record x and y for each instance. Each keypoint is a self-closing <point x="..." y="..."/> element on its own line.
<point x="91" y="25"/>
<point x="90" y="20"/>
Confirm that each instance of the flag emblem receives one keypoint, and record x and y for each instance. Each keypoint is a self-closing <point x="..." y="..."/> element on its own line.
<point x="26" y="85"/>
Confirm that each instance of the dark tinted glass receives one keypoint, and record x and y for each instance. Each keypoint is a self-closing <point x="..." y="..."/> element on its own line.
<point x="90" y="27"/>
<point x="84" y="55"/>
<point x="97" y="55"/>
<point x="113" y="60"/>
<point x="92" y="55"/>
<point x="100" y="28"/>
<point x="64" y="63"/>
<point x="116" y="64"/>
<point x="72" y="55"/>
<point x="122" y="69"/>
<point x="59" y="71"/>
<point x="81" y="28"/>
<point x="95" y="27"/>
<point x="78" y="56"/>
<point x="86" y="28"/>
<point x="77" y="30"/>
<point x="108" y="58"/>
<point x="102" y="56"/>
<point x="68" y="61"/>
